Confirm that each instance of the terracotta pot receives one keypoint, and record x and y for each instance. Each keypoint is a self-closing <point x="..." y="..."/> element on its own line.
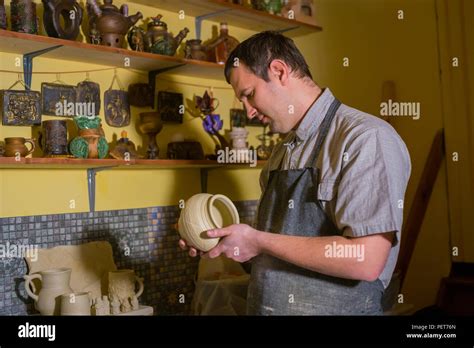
<point x="203" y="212"/>
<point x="16" y="146"/>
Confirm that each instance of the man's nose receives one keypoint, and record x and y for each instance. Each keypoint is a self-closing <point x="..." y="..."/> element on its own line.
<point x="251" y="111"/>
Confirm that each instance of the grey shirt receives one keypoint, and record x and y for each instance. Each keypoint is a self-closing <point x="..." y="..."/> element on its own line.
<point x="364" y="170"/>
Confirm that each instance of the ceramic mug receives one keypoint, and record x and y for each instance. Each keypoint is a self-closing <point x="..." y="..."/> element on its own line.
<point x="16" y="146"/>
<point x="122" y="284"/>
<point x="76" y="303"/>
<point x="203" y="212"/>
<point x="53" y="138"/>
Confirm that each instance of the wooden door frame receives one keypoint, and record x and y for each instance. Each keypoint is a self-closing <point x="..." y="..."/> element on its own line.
<point x="458" y="123"/>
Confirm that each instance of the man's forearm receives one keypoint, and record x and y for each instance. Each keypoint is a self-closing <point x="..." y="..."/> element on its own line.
<point x="356" y="258"/>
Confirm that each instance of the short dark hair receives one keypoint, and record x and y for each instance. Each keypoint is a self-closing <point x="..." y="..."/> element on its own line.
<point x="258" y="51"/>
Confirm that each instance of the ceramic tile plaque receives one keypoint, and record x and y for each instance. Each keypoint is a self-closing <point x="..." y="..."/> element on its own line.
<point x="58" y="99"/>
<point x="20" y="108"/>
<point x="88" y="93"/>
<point x="117" y="108"/>
<point x="170" y="107"/>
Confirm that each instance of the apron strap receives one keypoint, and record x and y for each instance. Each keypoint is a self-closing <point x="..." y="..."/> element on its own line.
<point x="324" y="129"/>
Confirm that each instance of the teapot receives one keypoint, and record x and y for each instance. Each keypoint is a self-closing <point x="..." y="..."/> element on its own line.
<point x="194" y="49"/>
<point x="107" y="24"/>
<point x="159" y="40"/>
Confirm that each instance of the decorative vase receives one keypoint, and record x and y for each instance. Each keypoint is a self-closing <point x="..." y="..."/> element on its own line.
<point x="23" y="16"/>
<point x="150" y="125"/>
<point x="239" y="138"/>
<point x="91" y="142"/>
<point x="203" y="212"/>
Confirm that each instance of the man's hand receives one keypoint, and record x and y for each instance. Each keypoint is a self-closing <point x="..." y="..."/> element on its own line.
<point x="239" y="242"/>
<point x="193" y="252"/>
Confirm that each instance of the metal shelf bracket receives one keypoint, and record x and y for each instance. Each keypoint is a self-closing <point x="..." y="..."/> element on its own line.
<point x="28" y="63"/>
<point x="91" y="172"/>
<point x="152" y="78"/>
<point x="199" y="19"/>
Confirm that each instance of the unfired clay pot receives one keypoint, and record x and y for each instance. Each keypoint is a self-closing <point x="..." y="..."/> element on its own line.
<point x="203" y="212"/>
<point x="54" y="283"/>
<point x="76" y="303"/>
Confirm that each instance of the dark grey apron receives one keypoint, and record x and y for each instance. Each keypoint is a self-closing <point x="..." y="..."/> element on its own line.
<point x="280" y="288"/>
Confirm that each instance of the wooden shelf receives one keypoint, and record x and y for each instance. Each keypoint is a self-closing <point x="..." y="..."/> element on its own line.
<point x="75" y="163"/>
<point x="20" y="43"/>
<point x="238" y="15"/>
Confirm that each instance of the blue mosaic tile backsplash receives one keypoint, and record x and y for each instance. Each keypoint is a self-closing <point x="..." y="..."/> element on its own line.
<point x="149" y="233"/>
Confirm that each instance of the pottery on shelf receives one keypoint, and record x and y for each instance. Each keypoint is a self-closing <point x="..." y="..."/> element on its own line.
<point x="16" y="146"/>
<point x="108" y="24"/>
<point x="3" y="15"/>
<point x="150" y="125"/>
<point x="54" y="283"/>
<point x="91" y="142"/>
<point x="23" y="16"/>
<point x="159" y="40"/>
<point x="62" y="18"/>
<point x="203" y="212"/>
<point x="125" y="149"/>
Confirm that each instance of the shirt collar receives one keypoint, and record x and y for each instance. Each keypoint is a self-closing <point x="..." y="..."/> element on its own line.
<point x="313" y="117"/>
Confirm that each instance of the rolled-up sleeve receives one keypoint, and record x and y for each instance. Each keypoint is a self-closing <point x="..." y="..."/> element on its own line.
<point x="371" y="190"/>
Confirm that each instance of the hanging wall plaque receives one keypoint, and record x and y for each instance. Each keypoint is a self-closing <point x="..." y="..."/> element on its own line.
<point x="170" y="106"/>
<point x="88" y="94"/>
<point x="59" y="100"/>
<point x="20" y="108"/>
<point x="140" y="94"/>
<point x="117" y="109"/>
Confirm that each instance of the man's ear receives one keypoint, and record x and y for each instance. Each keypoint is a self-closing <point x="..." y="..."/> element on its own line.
<point x="280" y="71"/>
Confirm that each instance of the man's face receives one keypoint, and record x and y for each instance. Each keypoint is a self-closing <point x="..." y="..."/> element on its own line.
<point x="261" y="99"/>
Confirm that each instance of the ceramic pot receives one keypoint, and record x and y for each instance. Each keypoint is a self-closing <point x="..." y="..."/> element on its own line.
<point x="76" y="303"/>
<point x="3" y="15"/>
<point x="195" y="50"/>
<point x="91" y="142"/>
<point x="122" y="286"/>
<point x="53" y="138"/>
<point x="239" y="138"/>
<point x="203" y="212"/>
<point x="23" y="16"/>
<point x="54" y="283"/>
<point x="16" y="146"/>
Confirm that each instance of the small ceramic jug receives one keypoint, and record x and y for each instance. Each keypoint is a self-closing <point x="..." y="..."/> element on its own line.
<point x="15" y="146"/>
<point x="203" y="212"/>
<point x="54" y="283"/>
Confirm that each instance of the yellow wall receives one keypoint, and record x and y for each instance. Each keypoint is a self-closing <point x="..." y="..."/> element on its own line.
<point x="36" y="192"/>
<point x="380" y="47"/>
